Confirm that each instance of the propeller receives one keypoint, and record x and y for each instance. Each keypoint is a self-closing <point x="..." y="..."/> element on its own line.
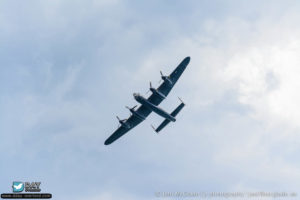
<point x="165" y="78"/>
<point x="181" y="100"/>
<point x="161" y="74"/>
<point x="154" y="128"/>
<point x="131" y="108"/>
<point x="149" y="88"/>
<point x="119" y="121"/>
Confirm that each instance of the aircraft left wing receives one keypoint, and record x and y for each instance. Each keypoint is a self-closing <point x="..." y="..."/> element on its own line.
<point x="132" y="121"/>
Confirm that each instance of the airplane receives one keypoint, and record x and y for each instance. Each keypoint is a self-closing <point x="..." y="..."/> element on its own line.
<point x="151" y="104"/>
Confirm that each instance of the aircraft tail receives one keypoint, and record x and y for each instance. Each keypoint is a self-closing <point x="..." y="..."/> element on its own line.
<point x="173" y="114"/>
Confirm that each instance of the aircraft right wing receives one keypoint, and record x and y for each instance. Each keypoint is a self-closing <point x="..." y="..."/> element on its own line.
<point x="165" y="87"/>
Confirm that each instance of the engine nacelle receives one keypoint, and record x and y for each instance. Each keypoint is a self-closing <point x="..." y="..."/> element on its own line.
<point x="135" y="113"/>
<point x="123" y="123"/>
<point x="166" y="78"/>
<point x="156" y="92"/>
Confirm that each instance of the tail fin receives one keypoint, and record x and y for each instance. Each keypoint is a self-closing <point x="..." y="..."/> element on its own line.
<point x="166" y="121"/>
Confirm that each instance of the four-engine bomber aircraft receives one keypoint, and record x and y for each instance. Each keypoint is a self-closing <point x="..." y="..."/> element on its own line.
<point x="151" y="104"/>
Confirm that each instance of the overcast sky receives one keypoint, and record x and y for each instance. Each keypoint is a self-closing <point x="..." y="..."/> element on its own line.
<point x="67" y="68"/>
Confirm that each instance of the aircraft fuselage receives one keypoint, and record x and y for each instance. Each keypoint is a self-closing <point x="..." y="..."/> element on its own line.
<point x="153" y="107"/>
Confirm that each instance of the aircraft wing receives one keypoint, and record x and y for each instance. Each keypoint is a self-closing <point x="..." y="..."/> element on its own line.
<point x="165" y="87"/>
<point x="132" y="121"/>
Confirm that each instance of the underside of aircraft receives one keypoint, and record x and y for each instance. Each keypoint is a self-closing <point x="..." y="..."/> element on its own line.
<point x="151" y="104"/>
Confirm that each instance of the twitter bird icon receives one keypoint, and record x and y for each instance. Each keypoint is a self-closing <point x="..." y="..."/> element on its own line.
<point x="18" y="186"/>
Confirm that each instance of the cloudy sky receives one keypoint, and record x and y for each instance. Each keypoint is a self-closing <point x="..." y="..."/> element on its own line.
<point x="67" y="68"/>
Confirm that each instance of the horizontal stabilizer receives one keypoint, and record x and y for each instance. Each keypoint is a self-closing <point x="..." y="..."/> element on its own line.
<point x="166" y="121"/>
